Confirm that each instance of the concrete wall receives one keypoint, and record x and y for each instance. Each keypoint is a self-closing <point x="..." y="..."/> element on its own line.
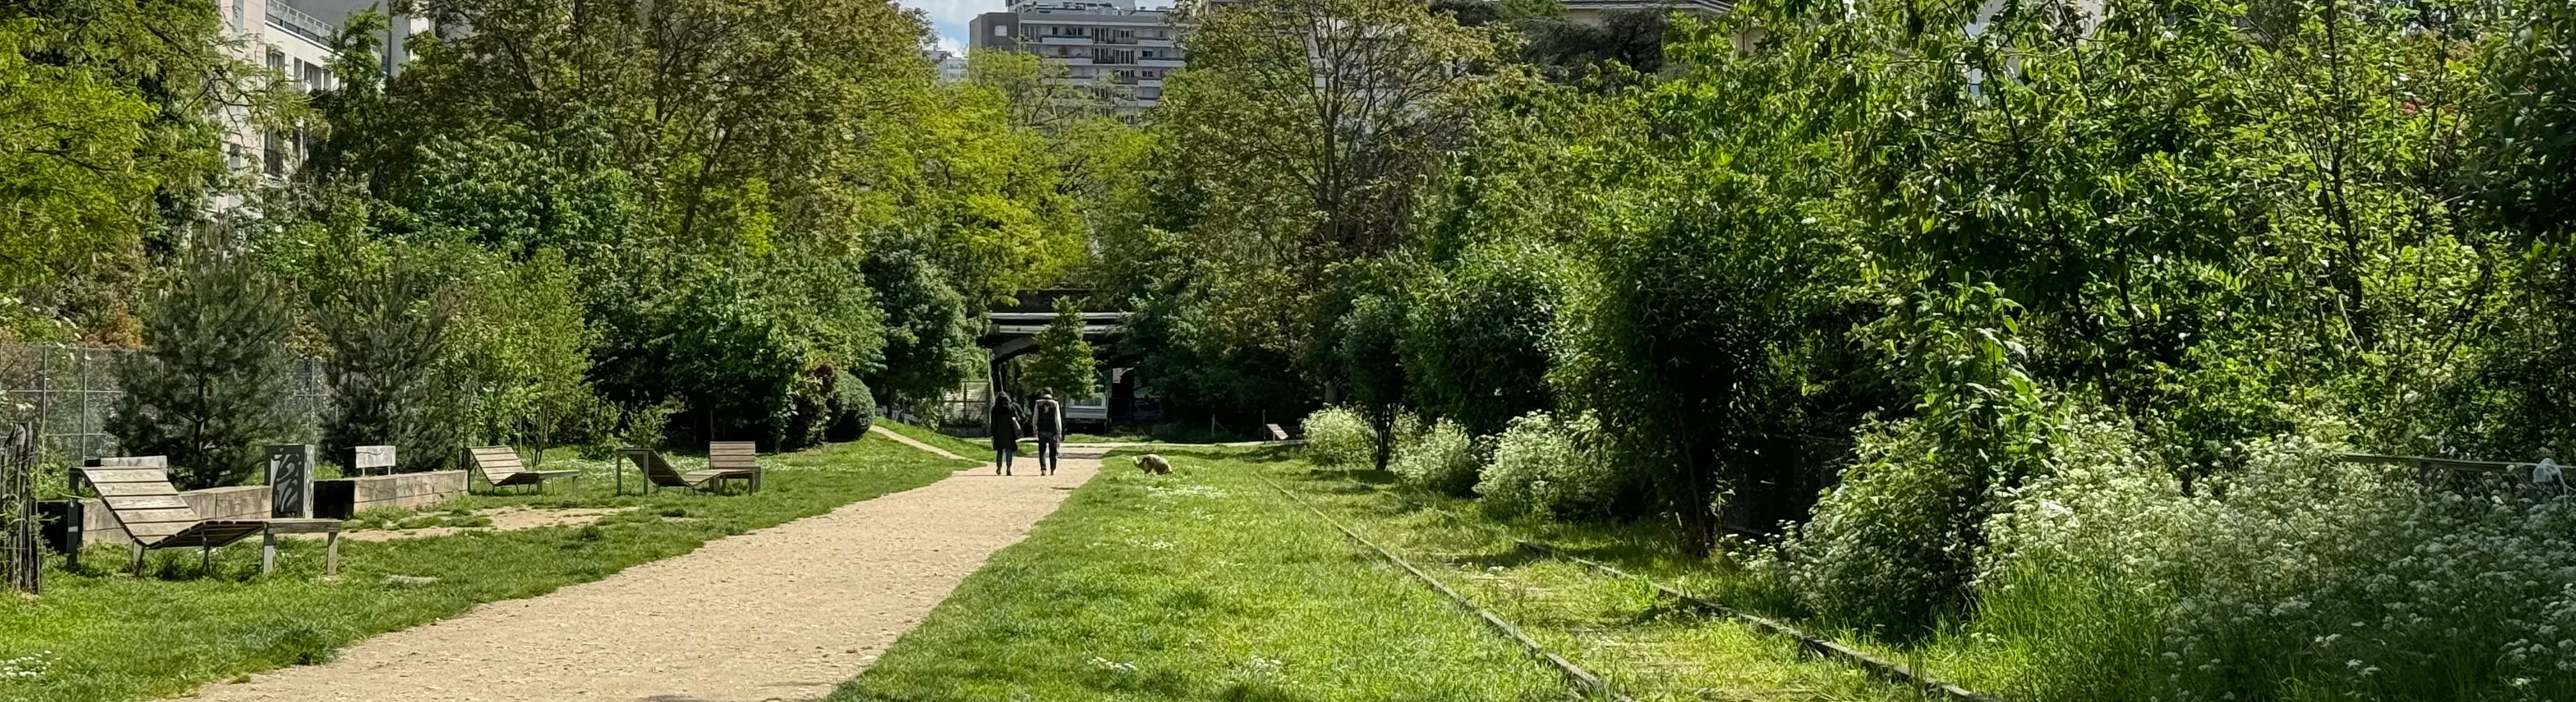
<point x="408" y="489"/>
<point x="98" y="526"/>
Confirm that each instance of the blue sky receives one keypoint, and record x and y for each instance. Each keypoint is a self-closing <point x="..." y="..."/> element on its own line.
<point x="949" y="17"/>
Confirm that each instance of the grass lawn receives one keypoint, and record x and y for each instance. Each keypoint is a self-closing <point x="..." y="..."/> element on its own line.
<point x="98" y="634"/>
<point x="1620" y="629"/>
<point x="978" y="449"/>
<point x="1201" y="585"/>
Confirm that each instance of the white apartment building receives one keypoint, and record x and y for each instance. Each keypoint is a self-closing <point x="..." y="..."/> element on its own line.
<point x="1106" y="43"/>
<point x="951" y="67"/>
<point x="292" y="37"/>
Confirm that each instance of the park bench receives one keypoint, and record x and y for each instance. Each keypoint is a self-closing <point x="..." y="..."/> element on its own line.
<point x="137" y="491"/>
<point x="500" y="466"/>
<point x="658" y="472"/>
<point x="735" y="455"/>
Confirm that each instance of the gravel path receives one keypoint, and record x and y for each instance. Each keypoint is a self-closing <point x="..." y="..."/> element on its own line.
<point x="784" y="613"/>
<point x="915" y="443"/>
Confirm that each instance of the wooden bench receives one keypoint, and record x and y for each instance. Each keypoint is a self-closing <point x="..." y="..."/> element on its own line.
<point x="500" y="466"/>
<point x="137" y="491"/>
<point x="736" y="456"/>
<point x="658" y="473"/>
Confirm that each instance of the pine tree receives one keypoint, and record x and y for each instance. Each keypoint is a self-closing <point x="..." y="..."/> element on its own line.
<point x="1063" y="364"/>
<point x="391" y="382"/>
<point x="213" y="380"/>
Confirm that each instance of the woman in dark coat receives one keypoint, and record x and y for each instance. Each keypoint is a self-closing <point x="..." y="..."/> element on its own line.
<point x="1005" y="425"/>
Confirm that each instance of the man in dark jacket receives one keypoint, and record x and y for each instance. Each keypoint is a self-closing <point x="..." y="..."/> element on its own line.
<point x="1005" y="424"/>
<point x="1049" y="421"/>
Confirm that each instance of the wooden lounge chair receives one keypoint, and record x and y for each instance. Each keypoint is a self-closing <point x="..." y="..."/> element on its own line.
<point x="658" y="473"/>
<point x="137" y="490"/>
<point x="500" y="466"/>
<point x="735" y="455"/>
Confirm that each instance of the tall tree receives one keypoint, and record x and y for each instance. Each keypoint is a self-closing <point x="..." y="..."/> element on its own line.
<point x="1303" y="129"/>
<point x="213" y="382"/>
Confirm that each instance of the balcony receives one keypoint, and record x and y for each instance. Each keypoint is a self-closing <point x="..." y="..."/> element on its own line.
<point x="296" y="22"/>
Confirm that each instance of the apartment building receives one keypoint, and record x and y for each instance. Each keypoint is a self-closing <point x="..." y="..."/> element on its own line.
<point x="292" y="37"/>
<point x="1598" y="11"/>
<point x="1106" y="43"/>
<point x="951" y="67"/>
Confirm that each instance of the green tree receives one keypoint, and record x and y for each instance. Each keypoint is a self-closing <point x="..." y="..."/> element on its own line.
<point x="522" y="339"/>
<point x="1064" y="363"/>
<point x="212" y="383"/>
<point x="930" y="327"/>
<point x="1301" y="130"/>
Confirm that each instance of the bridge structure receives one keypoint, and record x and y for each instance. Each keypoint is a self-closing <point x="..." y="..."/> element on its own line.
<point x="1011" y="332"/>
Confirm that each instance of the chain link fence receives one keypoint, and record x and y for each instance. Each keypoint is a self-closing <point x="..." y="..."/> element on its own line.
<point x="22" y="566"/>
<point x="67" y="392"/>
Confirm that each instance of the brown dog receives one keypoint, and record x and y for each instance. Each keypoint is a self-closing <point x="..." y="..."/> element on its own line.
<point x="1153" y="464"/>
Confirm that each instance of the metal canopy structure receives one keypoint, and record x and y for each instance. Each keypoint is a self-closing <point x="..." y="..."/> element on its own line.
<point x="1012" y="330"/>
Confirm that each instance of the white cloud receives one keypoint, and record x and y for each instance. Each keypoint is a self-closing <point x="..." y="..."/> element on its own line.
<point x="949" y="17"/>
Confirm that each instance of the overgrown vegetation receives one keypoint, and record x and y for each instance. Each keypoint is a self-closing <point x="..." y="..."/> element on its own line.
<point x="1839" y="291"/>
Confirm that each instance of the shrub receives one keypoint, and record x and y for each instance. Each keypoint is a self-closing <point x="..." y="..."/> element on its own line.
<point x="1472" y="340"/>
<point x="852" y="409"/>
<point x="1442" y="458"/>
<point x="2298" y="577"/>
<point x="1547" y="468"/>
<point x="1340" y="437"/>
<point x="210" y="387"/>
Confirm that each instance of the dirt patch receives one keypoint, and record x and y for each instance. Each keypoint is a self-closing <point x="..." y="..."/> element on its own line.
<point x="784" y="613"/>
<point x="503" y="519"/>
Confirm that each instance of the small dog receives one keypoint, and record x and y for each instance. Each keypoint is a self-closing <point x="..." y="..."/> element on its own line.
<point x="1153" y="464"/>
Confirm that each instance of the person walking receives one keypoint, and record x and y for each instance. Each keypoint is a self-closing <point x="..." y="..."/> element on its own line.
<point x="1048" y="417"/>
<point x="1005" y="424"/>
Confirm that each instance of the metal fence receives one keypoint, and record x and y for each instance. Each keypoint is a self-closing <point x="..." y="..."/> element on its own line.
<point x="68" y="392"/>
<point x="22" y="567"/>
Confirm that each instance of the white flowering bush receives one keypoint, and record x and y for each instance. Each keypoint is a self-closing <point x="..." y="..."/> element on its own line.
<point x="2298" y="577"/>
<point x="1340" y="437"/>
<point x="1440" y="457"/>
<point x="1544" y="467"/>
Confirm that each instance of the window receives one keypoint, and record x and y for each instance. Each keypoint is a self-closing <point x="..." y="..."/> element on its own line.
<point x="277" y="59"/>
<point x="276" y="153"/>
<point x="1001" y="30"/>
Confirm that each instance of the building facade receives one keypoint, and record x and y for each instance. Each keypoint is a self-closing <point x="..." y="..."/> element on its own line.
<point x="1106" y="43"/>
<point x="293" y="38"/>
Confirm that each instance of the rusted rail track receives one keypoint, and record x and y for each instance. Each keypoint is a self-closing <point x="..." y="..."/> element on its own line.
<point x="1573" y="673"/>
<point x="1883" y="668"/>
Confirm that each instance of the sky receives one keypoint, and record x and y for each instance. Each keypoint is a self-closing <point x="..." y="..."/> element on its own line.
<point x="949" y="17"/>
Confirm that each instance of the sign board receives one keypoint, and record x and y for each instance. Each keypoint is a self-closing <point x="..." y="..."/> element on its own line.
<point x="290" y="481"/>
<point x="368" y="460"/>
<point x="1276" y="433"/>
